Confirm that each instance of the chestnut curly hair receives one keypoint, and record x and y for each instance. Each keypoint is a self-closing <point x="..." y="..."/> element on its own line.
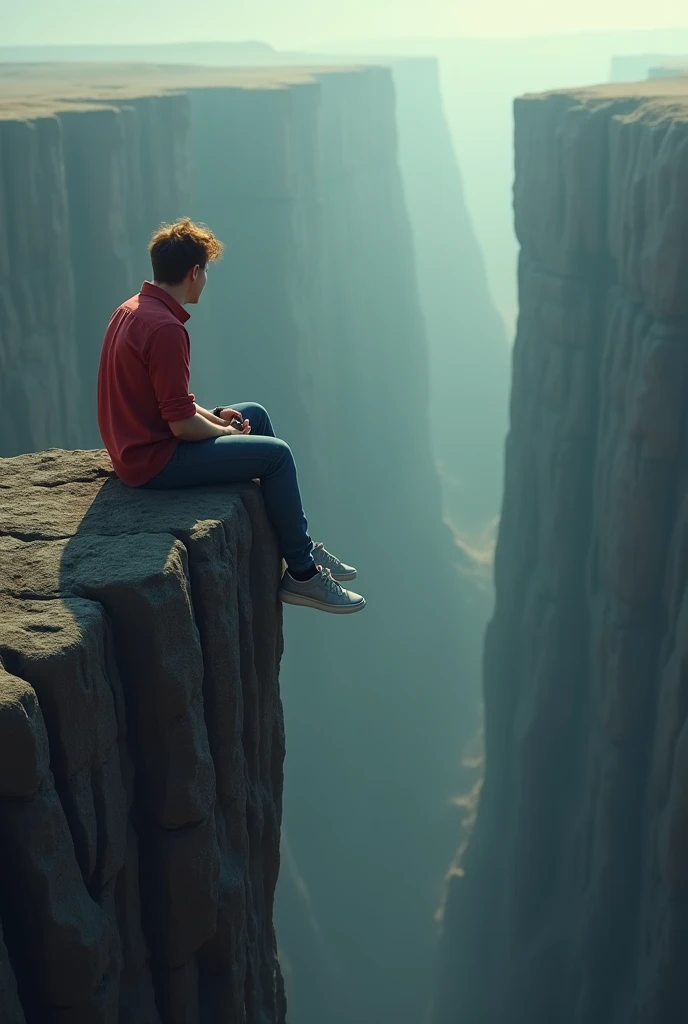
<point x="177" y="248"/>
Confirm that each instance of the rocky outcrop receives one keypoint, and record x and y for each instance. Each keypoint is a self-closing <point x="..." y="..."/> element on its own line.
<point x="570" y="902"/>
<point x="141" y="748"/>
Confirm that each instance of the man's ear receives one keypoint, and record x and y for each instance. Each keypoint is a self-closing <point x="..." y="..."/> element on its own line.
<point x="195" y="271"/>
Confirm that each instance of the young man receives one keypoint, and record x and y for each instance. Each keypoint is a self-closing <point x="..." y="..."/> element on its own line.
<point x="158" y="437"/>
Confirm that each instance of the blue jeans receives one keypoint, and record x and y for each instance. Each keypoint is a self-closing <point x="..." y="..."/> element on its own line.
<point x="235" y="459"/>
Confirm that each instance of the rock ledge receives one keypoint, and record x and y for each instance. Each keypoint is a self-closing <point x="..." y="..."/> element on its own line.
<point x="141" y="749"/>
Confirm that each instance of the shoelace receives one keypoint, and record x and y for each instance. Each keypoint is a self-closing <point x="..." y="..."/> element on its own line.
<point x="330" y="582"/>
<point x="320" y="551"/>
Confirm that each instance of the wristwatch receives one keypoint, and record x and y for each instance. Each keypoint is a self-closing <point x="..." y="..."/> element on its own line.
<point x="217" y="410"/>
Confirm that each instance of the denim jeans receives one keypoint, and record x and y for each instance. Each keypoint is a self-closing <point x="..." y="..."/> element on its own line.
<point x="231" y="460"/>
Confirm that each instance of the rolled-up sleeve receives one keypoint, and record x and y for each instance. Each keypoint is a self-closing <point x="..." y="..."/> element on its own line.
<point x="169" y="366"/>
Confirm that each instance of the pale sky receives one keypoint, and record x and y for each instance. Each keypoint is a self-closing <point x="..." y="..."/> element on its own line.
<point x="295" y="23"/>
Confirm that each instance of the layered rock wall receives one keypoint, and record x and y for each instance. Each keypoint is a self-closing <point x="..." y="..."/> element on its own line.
<point x="141" y="749"/>
<point x="570" y="905"/>
<point x="40" y="382"/>
<point x="81" y="190"/>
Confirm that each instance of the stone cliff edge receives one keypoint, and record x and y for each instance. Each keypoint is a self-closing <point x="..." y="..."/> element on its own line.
<point x="141" y="749"/>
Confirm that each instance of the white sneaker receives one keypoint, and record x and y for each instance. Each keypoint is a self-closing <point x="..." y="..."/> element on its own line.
<point x="321" y="592"/>
<point x="340" y="570"/>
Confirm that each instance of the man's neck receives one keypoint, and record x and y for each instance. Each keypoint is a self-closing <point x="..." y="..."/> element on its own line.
<point x="177" y="291"/>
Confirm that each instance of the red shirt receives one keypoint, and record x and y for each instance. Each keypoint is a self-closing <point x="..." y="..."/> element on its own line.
<point x="143" y="383"/>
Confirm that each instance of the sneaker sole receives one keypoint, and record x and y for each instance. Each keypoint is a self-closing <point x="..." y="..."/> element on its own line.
<point x="342" y="577"/>
<point x="304" y="602"/>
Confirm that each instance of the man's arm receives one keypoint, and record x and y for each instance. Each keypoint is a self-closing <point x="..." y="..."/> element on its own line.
<point x="210" y="416"/>
<point x="198" y="428"/>
<point x="169" y="369"/>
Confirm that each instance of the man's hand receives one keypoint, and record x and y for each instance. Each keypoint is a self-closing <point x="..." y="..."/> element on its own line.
<point x="230" y="414"/>
<point x="246" y="429"/>
<point x="197" y="428"/>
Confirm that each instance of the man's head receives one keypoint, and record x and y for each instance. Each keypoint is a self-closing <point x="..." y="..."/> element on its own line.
<point x="180" y="254"/>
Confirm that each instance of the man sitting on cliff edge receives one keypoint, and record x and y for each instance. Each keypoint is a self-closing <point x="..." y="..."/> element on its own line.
<point x="158" y="436"/>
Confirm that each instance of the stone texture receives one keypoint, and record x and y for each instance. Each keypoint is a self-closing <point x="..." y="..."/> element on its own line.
<point x="38" y="358"/>
<point x="570" y="902"/>
<point x="10" y="1007"/>
<point x="141" y="748"/>
<point x="24" y="754"/>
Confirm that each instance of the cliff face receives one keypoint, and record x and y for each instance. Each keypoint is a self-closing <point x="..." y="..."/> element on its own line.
<point x="571" y="903"/>
<point x="141" y="748"/>
<point x="40" y="387"/>
<point x="81" y="190"/>
<point x="480" y="78"/>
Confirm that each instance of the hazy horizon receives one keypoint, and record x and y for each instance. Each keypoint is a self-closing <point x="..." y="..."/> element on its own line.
<point x="42" y="22"/>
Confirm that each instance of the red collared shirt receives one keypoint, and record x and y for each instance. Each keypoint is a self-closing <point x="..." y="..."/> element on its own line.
<point x="143" y="383"/>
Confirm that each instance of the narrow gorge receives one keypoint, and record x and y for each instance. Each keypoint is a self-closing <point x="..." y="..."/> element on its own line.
<point x="316" y="311"/>
<point x="568" y="904"/>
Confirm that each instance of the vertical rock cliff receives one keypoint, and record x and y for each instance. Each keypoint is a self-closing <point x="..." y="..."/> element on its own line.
<point x="570" y="902"/>
<point x="141" y="749"/>
<point x="40" y="384"/>
<point x="82" y="185"/>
